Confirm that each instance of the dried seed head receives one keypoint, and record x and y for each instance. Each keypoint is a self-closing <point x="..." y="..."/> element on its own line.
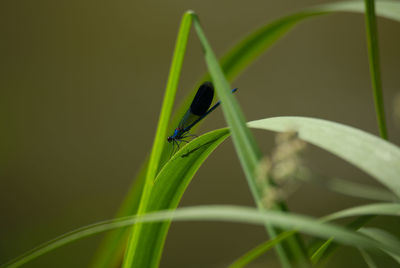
<point x="277" y="174"/>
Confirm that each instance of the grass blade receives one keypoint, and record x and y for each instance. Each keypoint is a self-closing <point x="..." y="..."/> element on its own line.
<point x="245" y="145"/>
<point x="260" y="249"/>
<point x="236" y="214"/>
<point x="367" y="258"/>
<point x="375" y="156"/>
<point x="389" y="209"/>
<point x="373" y="55"/>
<point x="161" y="134"/>
<point x="167" y="191"/>
<point x="359" y="190"/>
<point x="169" y="186"/>
<point x="385" y="237"/>
<point x="252" y="46"/>
<point x="322" y="249"/>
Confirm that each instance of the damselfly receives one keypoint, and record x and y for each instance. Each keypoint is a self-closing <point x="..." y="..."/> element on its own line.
<point x="196" y="112"/>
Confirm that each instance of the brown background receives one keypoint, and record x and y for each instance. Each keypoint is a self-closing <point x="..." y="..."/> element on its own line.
<point x="81" y="88"/>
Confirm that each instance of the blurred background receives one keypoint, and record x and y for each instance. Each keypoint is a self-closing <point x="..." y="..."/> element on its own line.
<point x="81" y="88"/>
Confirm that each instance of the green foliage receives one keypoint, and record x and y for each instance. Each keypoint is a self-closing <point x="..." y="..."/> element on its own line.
<point x="159" y="140"/>
<point x="360" y="190"/>
<point x="239" y="58"/>
<point x="162" y="181"/>
<point x="385" y="237"/>
<point x="260" y="249"/>
<point x="374" y="66"/>
<point x="381" y="240"/>
<point x="244" y="142"/>
<point x="169" y="186"/>
<point x="376" y="157"/>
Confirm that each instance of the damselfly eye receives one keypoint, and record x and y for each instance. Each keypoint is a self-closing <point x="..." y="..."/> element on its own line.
<point x="169" y="139"/>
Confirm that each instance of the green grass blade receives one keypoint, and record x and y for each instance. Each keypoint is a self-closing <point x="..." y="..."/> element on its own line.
<point x="388" y="209"/>
<point x="323" y="249"/>
<point x="245" y="145"/>
<point x="260" y="249"/>
<point x="373" y="55"/>
<point x="375" y="156"/>
<point x="234" y="214"/>
<point x="168" y="189"/>
<point x="367" y="258"/>
<point x="360" y="190"/>
<point x="161" y="134"/>
<point x="252" y="46"/>
<point x="258" y="42"/>
<point x="385" y="237"/>
<point x="386" y="8"/>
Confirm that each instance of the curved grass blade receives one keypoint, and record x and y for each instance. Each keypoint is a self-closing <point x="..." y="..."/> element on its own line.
<point x="385" y="237"/>
<point x="167" y="192"/>
<point x="384" y="8"/>
<point x="252" y="46"/>
<point x="375" y="156"/>
<point x="388" y="209"/>
<point x="360" y="190"/>
<point x="161" y="134"/>
<point x="234" y="214"/>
